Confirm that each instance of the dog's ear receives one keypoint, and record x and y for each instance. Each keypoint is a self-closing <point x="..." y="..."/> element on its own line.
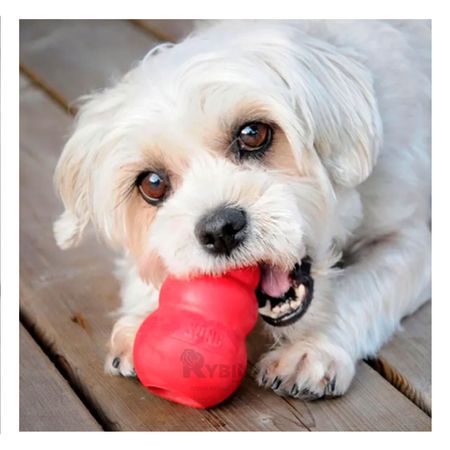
<point x="336" y="101"/>
<point x="80" y="163"/>
<point x="71" y="180"/>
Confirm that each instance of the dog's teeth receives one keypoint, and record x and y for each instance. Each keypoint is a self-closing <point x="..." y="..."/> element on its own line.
<point x="265" y="309"/>
<point x="294" y="304"/>
<point x="301" y="291"/>
<point x="286" y="307"/>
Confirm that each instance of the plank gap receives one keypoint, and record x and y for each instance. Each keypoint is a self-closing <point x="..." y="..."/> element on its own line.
<point x="64" y="368"/>
<point x="148" y="29"/>
<point x="400" y="382"/>
<point x="47" y="402"/>
<point x="50" y="91"/>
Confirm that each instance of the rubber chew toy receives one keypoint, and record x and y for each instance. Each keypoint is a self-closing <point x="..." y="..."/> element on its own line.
<point x="191" y="350"/>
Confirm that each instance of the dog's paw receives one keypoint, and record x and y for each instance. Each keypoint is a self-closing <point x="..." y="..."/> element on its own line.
<point x="306" y="370"/>
<point x="120" y="357"/>
<point x="120" y="364"/>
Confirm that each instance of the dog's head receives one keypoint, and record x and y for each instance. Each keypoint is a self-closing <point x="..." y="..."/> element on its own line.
<point x="222" y="151"/>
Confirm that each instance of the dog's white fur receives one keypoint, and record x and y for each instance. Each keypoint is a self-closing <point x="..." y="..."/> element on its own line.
<point x="348" y="173"/>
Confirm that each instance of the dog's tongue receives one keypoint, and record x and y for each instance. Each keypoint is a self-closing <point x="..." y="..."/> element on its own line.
<point x="274" y="282"/>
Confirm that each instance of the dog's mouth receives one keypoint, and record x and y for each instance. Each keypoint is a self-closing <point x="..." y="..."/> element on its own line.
<point x="284" y="296"/>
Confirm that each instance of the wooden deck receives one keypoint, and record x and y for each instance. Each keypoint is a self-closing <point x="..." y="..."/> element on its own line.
<point x="67" y="297"/>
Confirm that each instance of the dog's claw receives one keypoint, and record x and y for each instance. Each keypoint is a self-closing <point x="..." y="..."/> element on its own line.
<point x="294" y="391"/>
<point x="276" y="383"/>
<point x="329" y="388"/>
<point x="307" y="394"/>
<point x="116" y="362"/>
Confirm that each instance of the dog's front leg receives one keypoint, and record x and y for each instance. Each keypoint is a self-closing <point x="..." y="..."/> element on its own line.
<point x="139" y="299"/>
<point x="120" y="356"/>
<point x="389" y="279"/>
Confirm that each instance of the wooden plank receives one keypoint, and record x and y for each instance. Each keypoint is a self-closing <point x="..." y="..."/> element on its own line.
<point x="79" y="56"/>
<point x="349" y="405"/>
<point x="371" y="403"/>
<point x="406" y="359"/>
<point x="47" y="403"/>
<point x="167" y="30"/>
<point x="375" y="406"/>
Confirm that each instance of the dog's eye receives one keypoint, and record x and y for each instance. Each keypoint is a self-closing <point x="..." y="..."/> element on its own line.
<point x="153" y="186"/>
<point x="254" y="137"/>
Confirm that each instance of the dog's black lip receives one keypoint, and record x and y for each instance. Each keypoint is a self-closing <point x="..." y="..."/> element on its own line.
<point x="299" y="275"/>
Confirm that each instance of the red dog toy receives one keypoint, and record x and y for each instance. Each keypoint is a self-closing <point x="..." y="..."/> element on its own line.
<point x="191" y="350"/>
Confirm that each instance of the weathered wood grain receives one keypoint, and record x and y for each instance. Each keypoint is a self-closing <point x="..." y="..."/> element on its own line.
<point x="406" y="359"/>
<point x="47" y="403"/>
<point x="167" y="30"/>
<point x="370" y="404"/>
<point x="80" y="56"/>
<point x="51" y="298"/>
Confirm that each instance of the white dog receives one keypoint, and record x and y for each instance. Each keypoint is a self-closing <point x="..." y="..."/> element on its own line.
<point x="303" y="146"/>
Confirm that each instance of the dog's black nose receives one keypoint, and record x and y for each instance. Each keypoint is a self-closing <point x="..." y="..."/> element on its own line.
<point x="221" y="230"/>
